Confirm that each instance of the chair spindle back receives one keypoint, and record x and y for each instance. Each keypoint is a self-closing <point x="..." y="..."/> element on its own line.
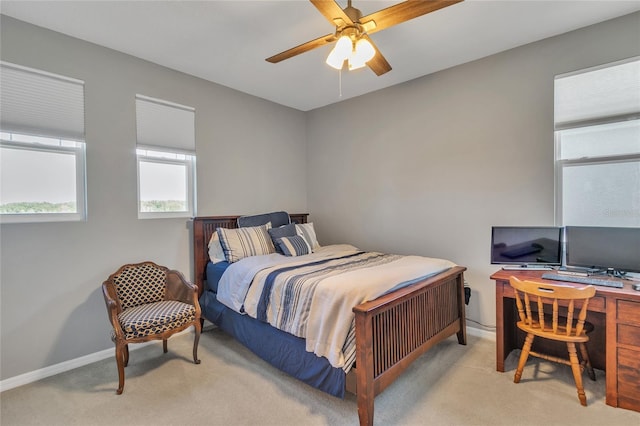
<point x="548" y="295"/>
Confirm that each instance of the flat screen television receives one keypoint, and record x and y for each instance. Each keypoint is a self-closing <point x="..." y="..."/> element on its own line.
<point x="603" y="248"/>
<point x="526" y="245"/>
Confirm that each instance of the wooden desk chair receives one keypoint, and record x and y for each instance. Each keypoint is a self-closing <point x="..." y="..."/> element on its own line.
<point x="552" y="326"/>
<point x="146" y="302"/>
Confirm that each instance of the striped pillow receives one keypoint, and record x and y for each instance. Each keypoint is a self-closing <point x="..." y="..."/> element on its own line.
<point x="244" y="242"/>
<point x="293" y="246"/>
<point x="308" y="232"/>
<point x="282" y="231"/>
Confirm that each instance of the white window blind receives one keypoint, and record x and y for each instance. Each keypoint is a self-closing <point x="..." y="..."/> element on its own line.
<point x="41" y="104"/>
<point x="609" y="93"/>
<point x="597" y="122"/>
<point x="166" y="159"/>
<point x="164" y="124"/>
<point x="42" y="146"/>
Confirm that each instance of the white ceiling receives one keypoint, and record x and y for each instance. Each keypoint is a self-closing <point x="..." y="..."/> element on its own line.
<point x="227" y="41"/>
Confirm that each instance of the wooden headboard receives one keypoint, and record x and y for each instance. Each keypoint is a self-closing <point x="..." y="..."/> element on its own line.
<point x="203" y="227"/>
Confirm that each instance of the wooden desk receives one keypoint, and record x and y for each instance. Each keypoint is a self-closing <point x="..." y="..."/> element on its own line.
<point x="614" y="345"/>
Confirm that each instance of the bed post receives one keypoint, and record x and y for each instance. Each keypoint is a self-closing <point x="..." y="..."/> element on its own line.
<point x="364" y="371"/>
<point x="395" y="329"/>
<point x="462" y="333"/>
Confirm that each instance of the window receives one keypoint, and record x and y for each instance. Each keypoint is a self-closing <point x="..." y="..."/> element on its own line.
<point x="42" y="147"/>
<point x="165" y="180"/>
<point x="166" y="159"/>
<point x="597" y="122"/>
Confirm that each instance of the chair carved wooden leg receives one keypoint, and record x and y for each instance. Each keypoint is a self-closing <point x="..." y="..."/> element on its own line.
<point x="126" y="355"/>
<point x="577" y="372"/>
<point x="587" y="362"/>
<point x="120" y="360"/>
<point x="528" y="341"/>
<point x="196" y="339"/>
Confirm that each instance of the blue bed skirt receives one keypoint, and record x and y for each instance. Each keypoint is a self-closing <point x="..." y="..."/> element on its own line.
<point x="280" y="349"/>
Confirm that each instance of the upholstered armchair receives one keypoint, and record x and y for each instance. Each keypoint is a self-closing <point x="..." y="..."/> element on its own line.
<point x="146" y="301"/>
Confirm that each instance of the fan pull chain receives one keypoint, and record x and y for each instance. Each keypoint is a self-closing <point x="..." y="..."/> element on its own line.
<point x="340" y="82"/>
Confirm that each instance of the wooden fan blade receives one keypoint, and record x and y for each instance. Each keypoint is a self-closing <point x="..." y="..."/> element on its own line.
<point x="331" y="10"/>
<point x="304" y="47"/>
<point x="403" y="12"/>
<point x="378" y="63"/>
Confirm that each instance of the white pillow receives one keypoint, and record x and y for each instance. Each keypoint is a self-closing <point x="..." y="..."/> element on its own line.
<point x="307" y="231"/>
<point x="247" y="241"/>
<point x="216" y="254"/>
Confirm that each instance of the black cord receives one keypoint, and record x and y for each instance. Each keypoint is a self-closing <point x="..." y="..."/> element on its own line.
<point x="617" y="273"/>
<point x="490" y="327"/>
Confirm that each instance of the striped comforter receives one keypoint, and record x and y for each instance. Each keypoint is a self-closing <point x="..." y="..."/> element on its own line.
<point x="312" y="296"/>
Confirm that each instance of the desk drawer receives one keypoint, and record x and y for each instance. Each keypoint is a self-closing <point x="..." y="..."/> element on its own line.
<point x="629" y="312"/>
<point x="629" y="378"/>
<point x="629" y="335"/>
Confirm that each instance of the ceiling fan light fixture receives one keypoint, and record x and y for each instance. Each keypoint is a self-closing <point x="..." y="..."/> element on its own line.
<point x="355" y="65"/>
<point x="340" y="52"/>
<point x="362" y="53"/>
<point x="350" y="22"/>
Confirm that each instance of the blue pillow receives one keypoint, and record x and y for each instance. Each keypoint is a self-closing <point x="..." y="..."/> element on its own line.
<point x="283" y="231"/>
<point x="293" y="246"/>
<point x="276" y="218"/>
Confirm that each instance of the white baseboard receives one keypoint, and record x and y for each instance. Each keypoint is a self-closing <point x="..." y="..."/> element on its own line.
<point x="479" y="332"/>
<point x="34" y="376"/>
<point x="52" y="370"/>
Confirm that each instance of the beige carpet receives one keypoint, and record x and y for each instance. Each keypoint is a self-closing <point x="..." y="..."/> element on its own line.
<point x="449" y="385"/>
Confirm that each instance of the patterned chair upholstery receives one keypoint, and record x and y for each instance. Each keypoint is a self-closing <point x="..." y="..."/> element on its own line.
<point x="146" y="301"/>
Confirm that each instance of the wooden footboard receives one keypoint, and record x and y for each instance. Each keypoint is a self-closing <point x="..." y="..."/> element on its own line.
<point x="393" y="330"/>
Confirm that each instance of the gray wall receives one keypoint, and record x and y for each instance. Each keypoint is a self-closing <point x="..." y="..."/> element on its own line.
<point x="51" y="304"/>
<point x="428" y="166"/>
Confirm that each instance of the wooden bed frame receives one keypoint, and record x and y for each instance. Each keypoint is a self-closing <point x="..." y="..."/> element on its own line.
<point x="391" y="331"/>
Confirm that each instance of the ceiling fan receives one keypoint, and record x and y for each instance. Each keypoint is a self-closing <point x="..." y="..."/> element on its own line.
<point x="352" y="32"/>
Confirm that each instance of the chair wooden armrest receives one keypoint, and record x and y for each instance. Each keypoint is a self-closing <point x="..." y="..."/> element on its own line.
<point x="113" y="306"/>
<point x="178" y="288"/>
